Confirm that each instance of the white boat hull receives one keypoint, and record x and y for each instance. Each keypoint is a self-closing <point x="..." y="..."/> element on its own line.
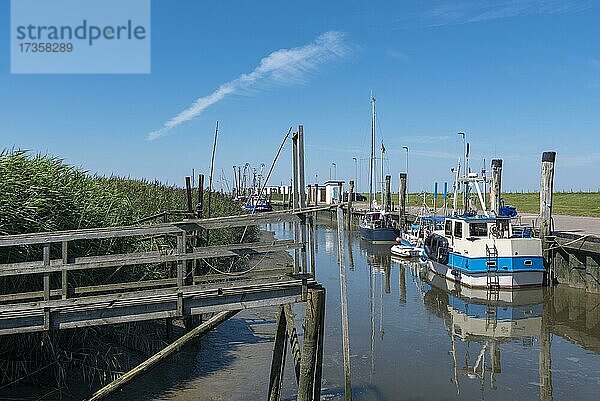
<point x="406" y="251"/>
<point x="508" y="280"/>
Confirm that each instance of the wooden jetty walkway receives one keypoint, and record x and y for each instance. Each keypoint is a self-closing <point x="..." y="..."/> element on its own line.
<point x="185" y="295"/>
<point x="193" y="288"/>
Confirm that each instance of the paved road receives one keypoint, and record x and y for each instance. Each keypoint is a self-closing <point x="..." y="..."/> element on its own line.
<point x="572" y="224"/>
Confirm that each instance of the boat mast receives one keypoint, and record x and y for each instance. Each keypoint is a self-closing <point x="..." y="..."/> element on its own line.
<point x="382" y="178"/>
<point x="372" y="161"/>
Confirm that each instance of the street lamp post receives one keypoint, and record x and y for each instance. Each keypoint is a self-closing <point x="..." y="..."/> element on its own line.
<point x="355" y="172"/>
<point x="334" y="171"/>
<point x="407" y="191"/>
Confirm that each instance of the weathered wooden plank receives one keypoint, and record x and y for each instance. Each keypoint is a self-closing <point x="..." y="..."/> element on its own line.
<point x="278" y="359"/>
<point x="118" y="260"/>
<point x="147" y="305"/>
<point x="125" y="318"/>
<point x="114" y="299"/>
<point x="156" y="229"/>
<point x="126" y="286"/>
<point x="83" y="234"/>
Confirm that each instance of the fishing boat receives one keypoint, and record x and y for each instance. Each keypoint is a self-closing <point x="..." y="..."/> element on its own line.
<point x="257" y="204"/>
<point x="377" y="226"/>
<point x="480" y="249"/>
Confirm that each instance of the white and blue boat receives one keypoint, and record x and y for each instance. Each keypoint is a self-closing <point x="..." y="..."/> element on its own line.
<point x="482" y="250"/>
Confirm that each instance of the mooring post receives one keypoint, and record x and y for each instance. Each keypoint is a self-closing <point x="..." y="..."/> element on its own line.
<point x="302" y="199"/>
<point x="340" y="193"/>
<point x="388" y="195"/>
<point x="496" y="187"/>
<point x="278" y="361"/>
<point x="188" y="193"/>
<point x="295" y="199"/>
<point x="402" y="199"/>
<point x="344" y="304"/>
<point x="308" y="387"/>
<point x="349" y="209"/>
<point x="546" y="191"/>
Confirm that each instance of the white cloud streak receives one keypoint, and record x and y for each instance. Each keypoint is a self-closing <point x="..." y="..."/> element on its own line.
<point x="284" y="66"/>
<point x="464" y="12"/>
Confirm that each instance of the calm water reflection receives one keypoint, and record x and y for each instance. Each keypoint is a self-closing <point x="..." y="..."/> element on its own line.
<point x="412" y="337"/>
<point x="415" y="336"/>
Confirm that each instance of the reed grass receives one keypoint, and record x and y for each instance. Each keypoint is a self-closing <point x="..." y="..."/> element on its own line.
<point x="42" y="193"/>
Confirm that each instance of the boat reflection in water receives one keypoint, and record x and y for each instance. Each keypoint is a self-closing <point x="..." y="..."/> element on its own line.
<point x="488" y="319"/>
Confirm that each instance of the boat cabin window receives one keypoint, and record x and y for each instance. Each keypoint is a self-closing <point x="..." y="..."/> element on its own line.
<point x="478" y="230"/>
<point x="458" y="231"/>
<point x="448" y="227"/>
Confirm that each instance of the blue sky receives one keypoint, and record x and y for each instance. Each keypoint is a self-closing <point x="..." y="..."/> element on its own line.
<point x="518" y="76"/>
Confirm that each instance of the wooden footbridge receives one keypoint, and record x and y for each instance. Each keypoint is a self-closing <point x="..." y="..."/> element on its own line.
<point x="189" y="293"/>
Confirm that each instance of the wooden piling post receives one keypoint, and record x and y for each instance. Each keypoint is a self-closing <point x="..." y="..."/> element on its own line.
<point x="350" y="200"/>
<point x="546" y="191"/>
<point x="295" y="199"/>
<point x="292" y="335"/>
<point x="188" y="193"/>
<point x="302" y="199"/>
<point x="496" y="186"/>
<point x="402" y="199"/>
<point x="278" y="361"/>
<point x="344" y="303"/>
<point x="308" y="387"/>
<point x="388" y="194"/>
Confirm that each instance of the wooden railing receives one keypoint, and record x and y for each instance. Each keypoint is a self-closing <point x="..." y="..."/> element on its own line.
<point x="187" y="293"/>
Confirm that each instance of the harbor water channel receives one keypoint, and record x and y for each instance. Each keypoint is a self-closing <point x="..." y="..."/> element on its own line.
<point x="413" y="336"/>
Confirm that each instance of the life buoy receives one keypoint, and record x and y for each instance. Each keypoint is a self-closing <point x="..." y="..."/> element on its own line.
<point x="494" y="232"/>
